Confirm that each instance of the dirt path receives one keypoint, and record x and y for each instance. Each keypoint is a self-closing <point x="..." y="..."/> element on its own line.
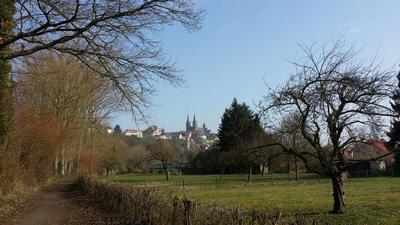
<point x="54" y="206"/>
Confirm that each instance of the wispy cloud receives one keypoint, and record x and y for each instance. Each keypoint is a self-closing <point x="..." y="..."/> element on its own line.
<point x="355" y="30"/>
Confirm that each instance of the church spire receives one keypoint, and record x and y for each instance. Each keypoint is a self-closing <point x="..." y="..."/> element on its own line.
<point x="187" y="123"/>
<point x="194" y="123"/>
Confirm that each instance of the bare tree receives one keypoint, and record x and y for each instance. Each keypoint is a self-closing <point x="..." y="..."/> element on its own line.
<point x="115" y="39"/>
<point x="340" y="101"/>
<point x="262" y="156"/>
<point x="163" y="151"/>
<point x="59" y="85"/>
<point x="289" y="134"/>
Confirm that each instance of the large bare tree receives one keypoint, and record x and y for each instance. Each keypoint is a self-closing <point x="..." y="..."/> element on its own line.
<point x="116" y="39"/>
<point x="339" y="100"/>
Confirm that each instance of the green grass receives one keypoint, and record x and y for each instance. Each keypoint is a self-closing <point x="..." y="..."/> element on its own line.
<point x="369" y="200"/>
<point x="207" y="181"/>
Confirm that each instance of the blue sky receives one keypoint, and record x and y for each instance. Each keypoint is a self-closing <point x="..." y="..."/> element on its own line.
<point x="245" y="44"/>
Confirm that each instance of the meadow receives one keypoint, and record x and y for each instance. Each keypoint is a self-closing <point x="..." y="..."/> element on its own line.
<point x="369" y="200"/>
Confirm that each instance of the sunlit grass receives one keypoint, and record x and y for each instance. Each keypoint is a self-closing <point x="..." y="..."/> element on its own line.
<point x="369" y="200"/>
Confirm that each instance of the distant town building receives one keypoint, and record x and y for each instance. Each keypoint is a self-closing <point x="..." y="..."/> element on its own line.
<point x="192" y="138"/>
<point x="132" y="132"/>
<point x="153" y="131"/>
<point x="165" y="137"/>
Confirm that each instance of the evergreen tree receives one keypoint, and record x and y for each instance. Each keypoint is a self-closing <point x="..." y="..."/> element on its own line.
<point x="394" y="133"/>
<point x="239" y="128"/>
<point x="117" y="129"/>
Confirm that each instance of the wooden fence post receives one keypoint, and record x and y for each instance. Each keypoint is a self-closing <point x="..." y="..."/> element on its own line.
<point x="175" y="204"/>
<point x="187" y="205"/>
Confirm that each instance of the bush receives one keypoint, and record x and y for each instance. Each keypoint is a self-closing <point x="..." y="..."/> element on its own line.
<point x="153" y="207"/>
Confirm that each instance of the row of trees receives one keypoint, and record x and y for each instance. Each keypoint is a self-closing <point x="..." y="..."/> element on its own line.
<point x="60" y="108"/>
<point x="65" y="67"/>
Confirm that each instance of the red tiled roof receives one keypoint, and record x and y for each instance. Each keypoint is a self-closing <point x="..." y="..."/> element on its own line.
<point x="380" y="144"/>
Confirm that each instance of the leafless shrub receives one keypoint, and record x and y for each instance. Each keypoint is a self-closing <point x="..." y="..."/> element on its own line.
<point x="31" y="150"/>
<point x="148" y="207"/>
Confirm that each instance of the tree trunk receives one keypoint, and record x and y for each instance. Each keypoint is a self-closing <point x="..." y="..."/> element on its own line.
<point x="296" y="169"/>
<point x="250" y="173"/>
<point x="166" y="171"/>
<point x="70" y="167"/>
<point x="6" y="28"/>
<point x="5" y="99"/>
<point x="78" y="154"/>
<point x="262" y="169"/>
<point x="338" y="195"/>
<point x="63" y="160"/>
<point x="56" y="165"/>
<point x="289" y="169"/>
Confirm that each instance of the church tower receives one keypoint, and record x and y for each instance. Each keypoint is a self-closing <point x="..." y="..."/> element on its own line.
<point x="194" y="127"/>
<point x="188" y="124"/>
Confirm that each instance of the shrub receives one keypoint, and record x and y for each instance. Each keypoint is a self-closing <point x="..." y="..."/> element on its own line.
<point x="153" y="207"/>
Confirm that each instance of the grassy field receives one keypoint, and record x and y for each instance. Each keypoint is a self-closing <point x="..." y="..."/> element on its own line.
<point x="369" y="200"/>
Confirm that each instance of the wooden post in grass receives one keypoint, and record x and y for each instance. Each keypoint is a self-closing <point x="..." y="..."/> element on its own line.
<point x="187" y="205"/>
<point x="183" y="184"/>
<point x="175" y="204"/>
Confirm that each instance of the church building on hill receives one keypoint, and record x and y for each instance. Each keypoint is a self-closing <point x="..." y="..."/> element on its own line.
<point x="196" y="135"/>
<point x="191" y="126"/>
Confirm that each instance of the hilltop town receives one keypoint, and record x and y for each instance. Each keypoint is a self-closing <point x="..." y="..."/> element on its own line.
<point x="193" y="137"/>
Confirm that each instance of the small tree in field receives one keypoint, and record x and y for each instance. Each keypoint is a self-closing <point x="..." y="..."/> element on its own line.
<point x="163" y="151"/>
<point x="340" y="102"/>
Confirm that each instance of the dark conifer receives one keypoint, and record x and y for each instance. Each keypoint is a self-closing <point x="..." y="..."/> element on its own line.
<point x="394" y="133"/>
